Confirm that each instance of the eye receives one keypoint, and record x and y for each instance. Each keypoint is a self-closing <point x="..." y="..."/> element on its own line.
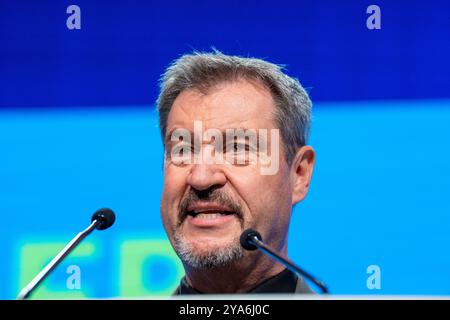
<point x="182" y="147"/>
<point x="179" y="150"/>
<point x="181" y="153"/>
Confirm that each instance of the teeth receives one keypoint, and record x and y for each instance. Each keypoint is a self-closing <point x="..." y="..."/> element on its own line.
<point x="208" y="216"/>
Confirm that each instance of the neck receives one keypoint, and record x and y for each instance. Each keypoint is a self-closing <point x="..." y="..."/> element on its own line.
<point x="239" y="277"/>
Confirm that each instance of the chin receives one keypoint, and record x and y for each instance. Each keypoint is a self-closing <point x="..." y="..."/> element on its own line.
<point x="208" y="252"/>
<point x="204" y="245"/>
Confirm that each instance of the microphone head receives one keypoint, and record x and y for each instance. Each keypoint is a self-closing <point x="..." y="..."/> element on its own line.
<point x="246" y="239"/>
<point x="105" y="217"/>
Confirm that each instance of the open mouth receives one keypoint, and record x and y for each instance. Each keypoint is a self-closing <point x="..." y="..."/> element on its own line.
<point x="209" y="214"/>
<point x="202" y="213"/>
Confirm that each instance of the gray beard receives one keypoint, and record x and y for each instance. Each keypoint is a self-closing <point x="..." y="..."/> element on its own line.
<point x="215" y="257"/>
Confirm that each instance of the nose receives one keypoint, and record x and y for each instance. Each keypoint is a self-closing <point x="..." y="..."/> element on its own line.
<point x="203" y="176"/>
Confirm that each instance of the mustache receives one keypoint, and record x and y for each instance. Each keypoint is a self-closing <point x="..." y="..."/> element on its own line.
<point x="217" y="196"/>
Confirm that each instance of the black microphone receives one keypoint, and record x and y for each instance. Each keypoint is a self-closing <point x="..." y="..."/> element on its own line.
<point x="101" y="219"/>
<point x="252" y="240"/>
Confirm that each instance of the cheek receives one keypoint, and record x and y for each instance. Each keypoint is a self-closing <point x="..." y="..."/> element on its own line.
<point x="164" y="210"/>
<point x="274" y="198"/>
<point x="173" y="188"/>
<point x="268" y="197"/>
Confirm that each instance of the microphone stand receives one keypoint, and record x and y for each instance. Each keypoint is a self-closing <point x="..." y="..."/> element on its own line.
<point x="251" y="240"/>
<point x="26" y="291"/>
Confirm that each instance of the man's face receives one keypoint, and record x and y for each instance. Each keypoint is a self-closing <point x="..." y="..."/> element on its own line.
<point x="206" y="206"/>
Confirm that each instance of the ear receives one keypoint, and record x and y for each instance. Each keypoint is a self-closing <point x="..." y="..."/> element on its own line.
<point x="301" y="172"/>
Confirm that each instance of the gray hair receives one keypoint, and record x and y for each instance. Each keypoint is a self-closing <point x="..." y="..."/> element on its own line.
<point x="202" y="71"/>
<point x="216" y="257"/>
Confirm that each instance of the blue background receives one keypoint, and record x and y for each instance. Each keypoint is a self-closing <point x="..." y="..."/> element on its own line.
<point x="78" y="131"/>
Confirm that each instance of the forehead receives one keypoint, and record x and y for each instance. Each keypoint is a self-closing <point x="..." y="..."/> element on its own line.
<point x="238" y="104"/>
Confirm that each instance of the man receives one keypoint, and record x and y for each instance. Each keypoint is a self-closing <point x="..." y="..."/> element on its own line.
<point x="215" y="113"/>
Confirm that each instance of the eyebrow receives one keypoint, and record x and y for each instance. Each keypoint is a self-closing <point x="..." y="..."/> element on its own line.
<point x="168" y="140"/>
